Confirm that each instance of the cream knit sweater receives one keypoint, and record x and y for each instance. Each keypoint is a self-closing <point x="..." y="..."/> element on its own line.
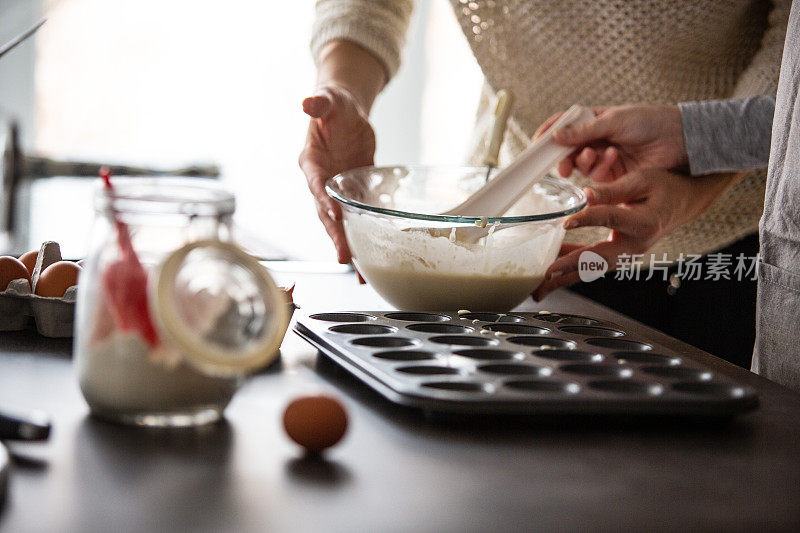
<point x="600" y="52"/>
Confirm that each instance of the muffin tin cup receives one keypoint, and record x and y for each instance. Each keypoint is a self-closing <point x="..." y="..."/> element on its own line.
<point x="520" y="363"/>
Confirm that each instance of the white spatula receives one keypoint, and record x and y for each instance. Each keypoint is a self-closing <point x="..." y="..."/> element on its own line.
<point x="500" y="193"/>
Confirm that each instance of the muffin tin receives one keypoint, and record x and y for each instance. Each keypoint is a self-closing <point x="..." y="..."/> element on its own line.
<point x="519" y="363"/>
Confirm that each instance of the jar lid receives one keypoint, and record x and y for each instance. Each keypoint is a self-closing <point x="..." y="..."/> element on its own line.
<point x="220" y="307"/>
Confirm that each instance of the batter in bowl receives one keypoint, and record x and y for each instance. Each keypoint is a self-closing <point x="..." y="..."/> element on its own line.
<point x="429" y="271"/>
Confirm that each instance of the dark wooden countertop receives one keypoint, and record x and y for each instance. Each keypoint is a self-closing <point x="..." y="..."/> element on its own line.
<point x="396" y="470"/>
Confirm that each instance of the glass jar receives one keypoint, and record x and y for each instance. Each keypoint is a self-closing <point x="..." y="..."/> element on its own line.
<point x="212" y="313"/>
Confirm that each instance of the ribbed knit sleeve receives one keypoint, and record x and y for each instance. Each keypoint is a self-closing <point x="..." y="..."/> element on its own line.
<point x="377" y="25"/>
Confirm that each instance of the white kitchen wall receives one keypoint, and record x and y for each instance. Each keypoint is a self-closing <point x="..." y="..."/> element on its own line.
<point x="17" y="90"/>
<point x="167" y="83"/>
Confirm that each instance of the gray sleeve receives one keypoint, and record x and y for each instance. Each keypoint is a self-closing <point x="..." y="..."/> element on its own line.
<point x="727" y="135"/>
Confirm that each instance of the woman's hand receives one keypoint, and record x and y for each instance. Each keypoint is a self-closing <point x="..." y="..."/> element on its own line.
<point x="339" y="138"/>
<point x="640" y="207"/>
<point x="623" y="139"/>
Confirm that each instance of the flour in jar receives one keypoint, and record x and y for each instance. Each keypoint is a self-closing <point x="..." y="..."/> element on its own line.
<point x="122" y="374"/>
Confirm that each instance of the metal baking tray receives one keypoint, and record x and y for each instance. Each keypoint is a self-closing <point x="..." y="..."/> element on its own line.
<point x="519" y="363"/>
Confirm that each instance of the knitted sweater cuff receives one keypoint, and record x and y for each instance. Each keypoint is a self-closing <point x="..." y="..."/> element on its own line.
<point x="379" y="27"/>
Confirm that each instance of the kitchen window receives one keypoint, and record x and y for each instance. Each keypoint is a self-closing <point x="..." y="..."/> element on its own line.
<point x="166" y="84"/>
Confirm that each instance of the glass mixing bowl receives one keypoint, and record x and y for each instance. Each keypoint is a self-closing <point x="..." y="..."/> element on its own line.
<point x="418" y="260"/>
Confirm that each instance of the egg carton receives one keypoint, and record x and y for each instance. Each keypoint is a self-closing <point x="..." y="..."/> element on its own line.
<point x="520" y="363"/>
<point x="54" y="317"/>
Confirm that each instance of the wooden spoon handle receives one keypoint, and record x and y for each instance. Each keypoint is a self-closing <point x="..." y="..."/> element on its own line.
<point x="502" y="111"/>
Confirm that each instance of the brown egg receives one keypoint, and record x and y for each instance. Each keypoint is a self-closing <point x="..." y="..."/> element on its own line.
<point x="57" y="278"/>
<point x="315" y="422"/>
<point x="29" y="260"/>
<point x="12" y="268"/>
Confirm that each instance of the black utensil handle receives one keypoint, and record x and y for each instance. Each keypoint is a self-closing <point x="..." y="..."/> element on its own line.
<point x="30" y="426"/>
